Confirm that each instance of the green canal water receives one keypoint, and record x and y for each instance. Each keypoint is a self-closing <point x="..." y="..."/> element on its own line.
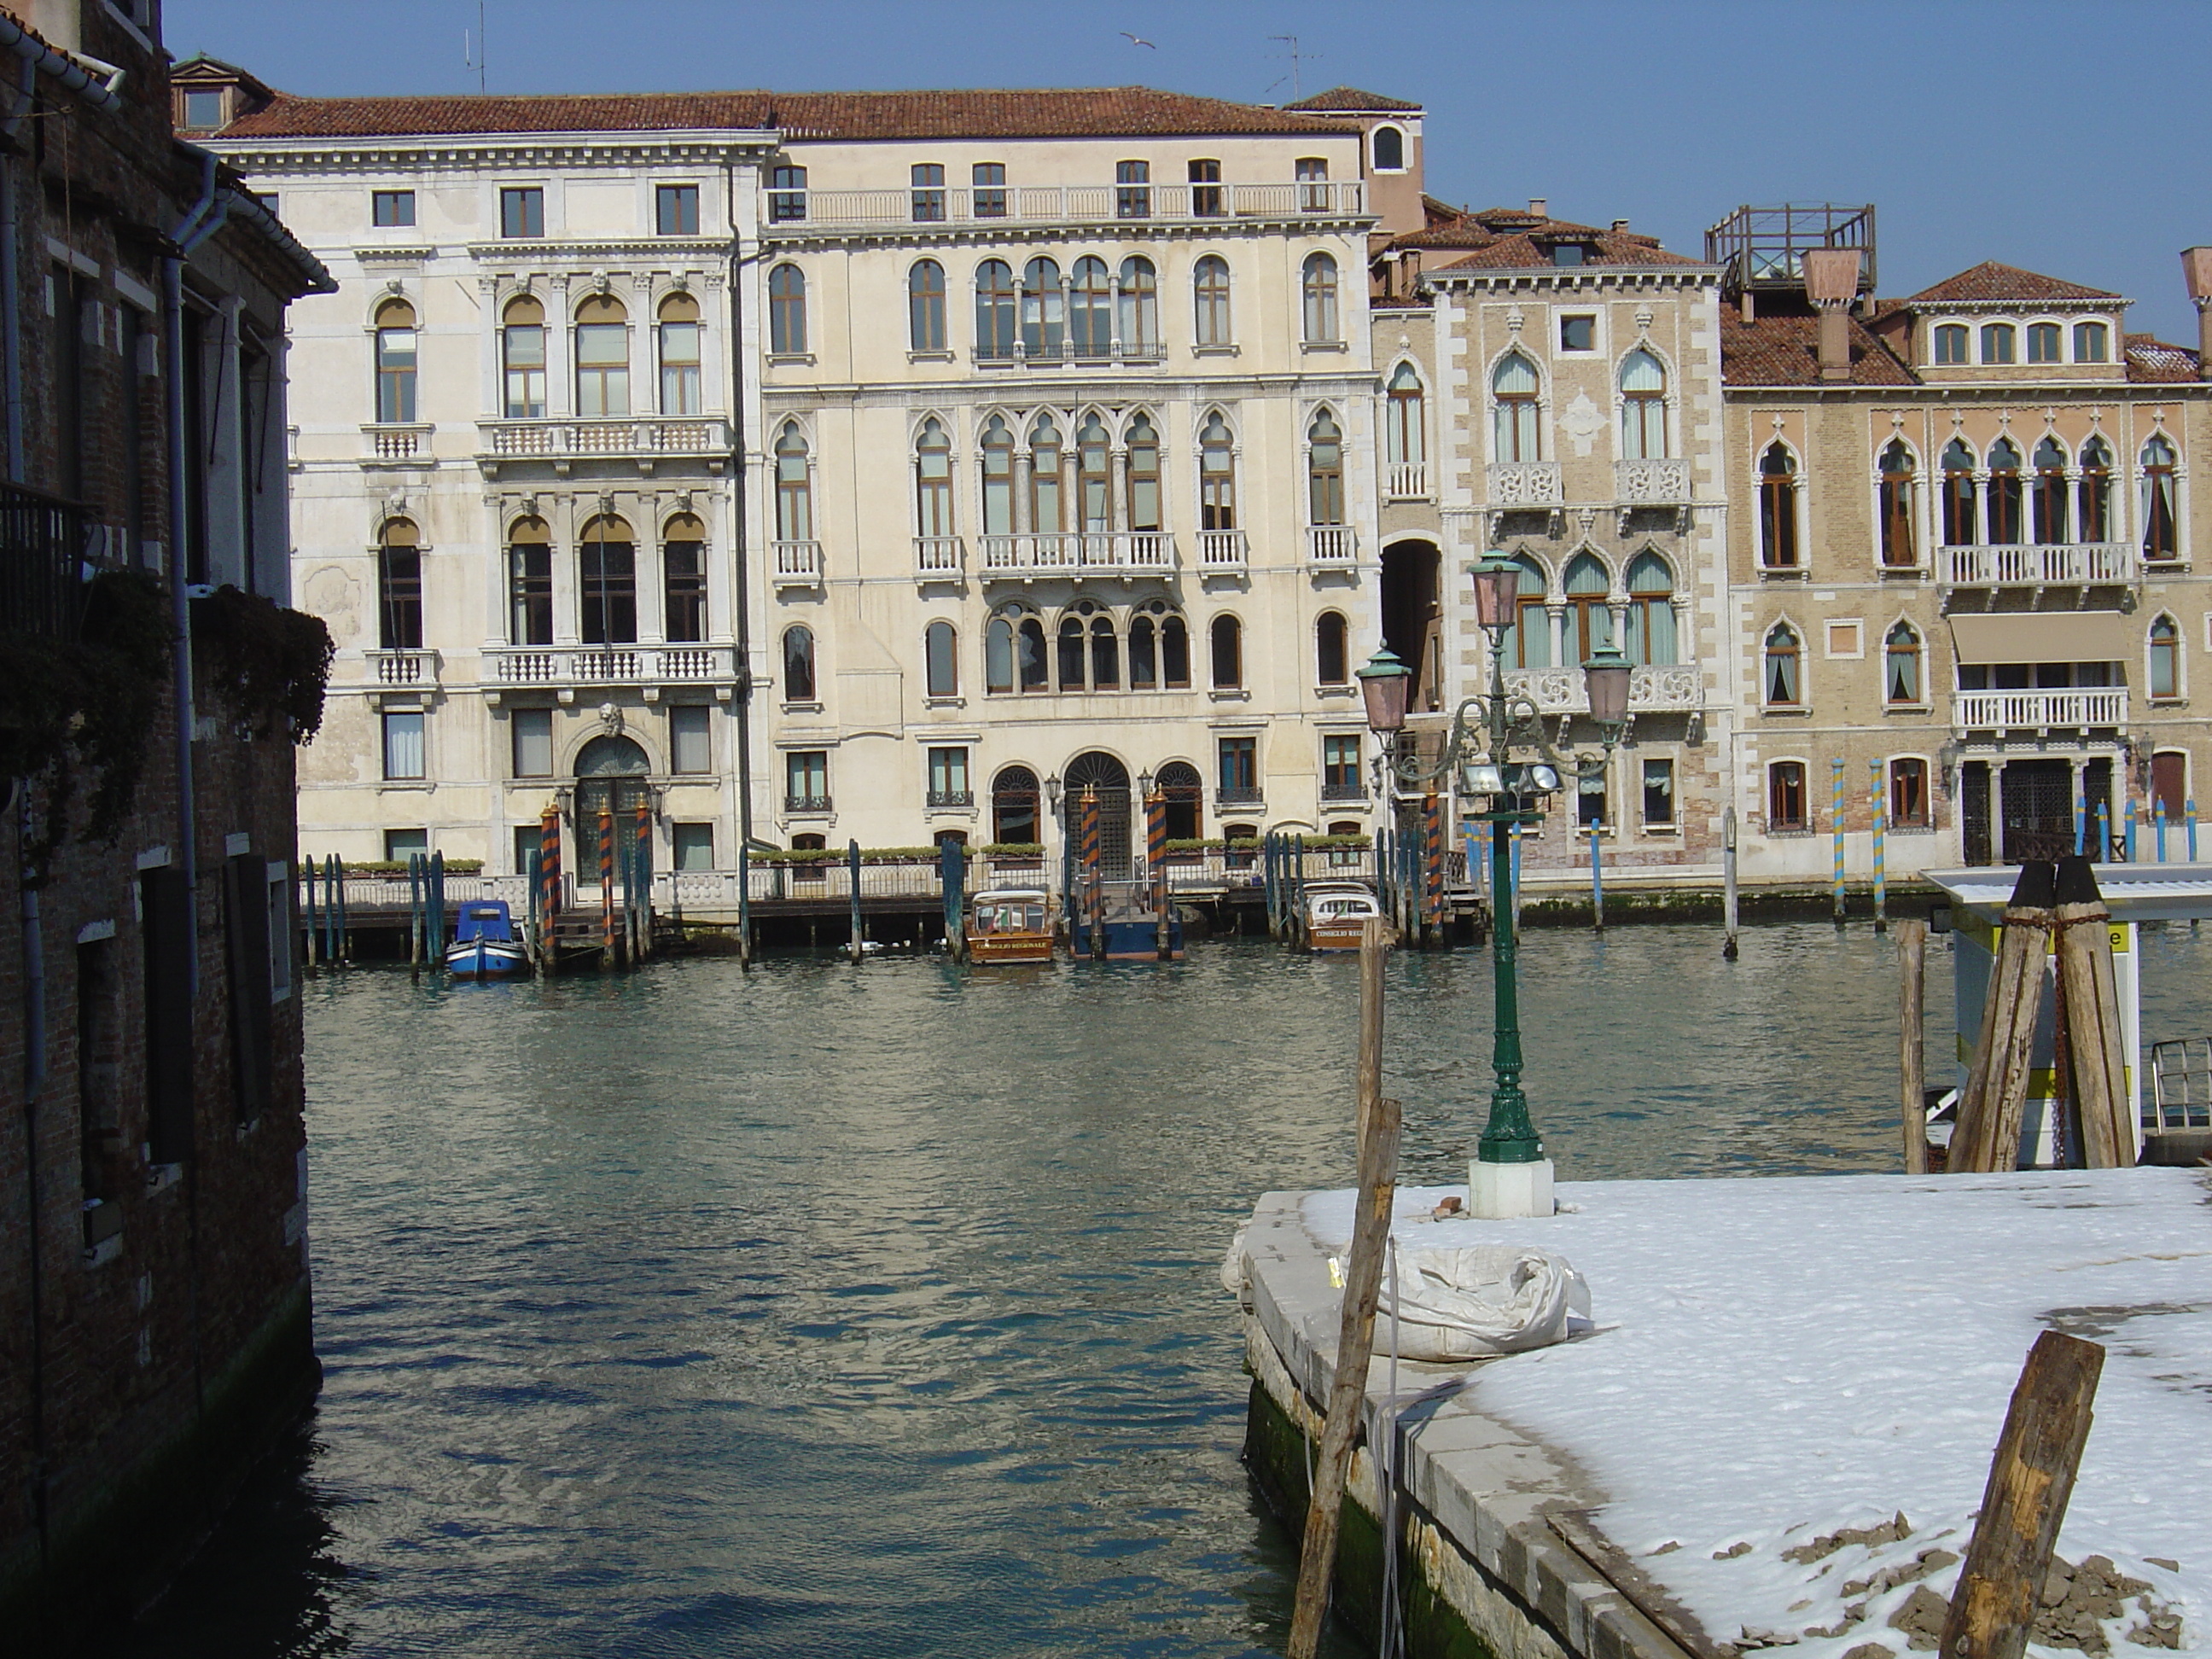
<point x="827" y="1310"/>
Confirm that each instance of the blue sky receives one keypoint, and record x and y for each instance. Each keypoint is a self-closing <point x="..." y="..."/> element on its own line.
<point x="2069" y="139"/>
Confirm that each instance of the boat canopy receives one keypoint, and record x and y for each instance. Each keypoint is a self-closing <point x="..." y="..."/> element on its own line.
<point x="484" y="919"/>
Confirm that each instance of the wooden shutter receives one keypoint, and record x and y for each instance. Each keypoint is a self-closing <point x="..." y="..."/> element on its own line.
<point x="166" y="933"/>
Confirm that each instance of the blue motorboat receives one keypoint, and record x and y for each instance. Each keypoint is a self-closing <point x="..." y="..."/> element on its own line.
<point x="485" y="945"/>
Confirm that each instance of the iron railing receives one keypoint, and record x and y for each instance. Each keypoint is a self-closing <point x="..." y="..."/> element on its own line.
<point x="41" y="545"/>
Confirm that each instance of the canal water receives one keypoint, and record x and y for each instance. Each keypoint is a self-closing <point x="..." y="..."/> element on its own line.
<point x="822" y="1310"/>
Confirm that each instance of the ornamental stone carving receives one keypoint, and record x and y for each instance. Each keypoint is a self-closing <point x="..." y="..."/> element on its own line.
<point x="1526" y="483"/>
<point x="1664" y="483"/>
<point x="1651" y="689"/>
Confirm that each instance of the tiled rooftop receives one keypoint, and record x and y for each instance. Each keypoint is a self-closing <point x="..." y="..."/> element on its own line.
<point x="1991" y="281"/>
<point x="1784" y="351"/>
<point x="1340" y="99"/>
<point x="2152" y="361"/>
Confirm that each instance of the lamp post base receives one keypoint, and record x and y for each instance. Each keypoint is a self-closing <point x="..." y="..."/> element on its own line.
<point x="1506" y="1192"/>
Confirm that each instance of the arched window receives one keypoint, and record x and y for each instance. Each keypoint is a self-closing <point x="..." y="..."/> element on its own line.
<point x="602" y="357"/>
<point x="1782" y="684"/>
<point x="2093" y="494"/>
<point x="1043" y="310"/>
<point x="1227" y="640"/>
<point x="530" y="583"/>
<point x="1094" y="480"/>
<point x="1951" y="343"/>
<point x="2050" y="500"/>
<point x="1643" y="407"/>
<point x="1217" y="475"/>
<point x="1900" y="665"/>
<point x="924" y="306"/>
<point x="684" y="579"/>
<point x="522" y="357"/>
<point x="1014" y="807"/>
<point x="1144" y="653"/>
<point x="1319" y="309"/>
<point x="1210" y="294"/>
<point x="1528" y="642"/>
<point x="1070" y="654"/>
<point x="606" y="562"/>
<point x="1899" y="548"/>
<point x="2045" y="343"/>
<point x="997" y="455"/>
<point x="1960" y="525"/>
<point x="2165" y="658"/>
<point x="1090" y="309"/>
<point x="1513" y="385"/>
<point x="681" y="390"/>
<point x="399" y="586"/>
<point x="1589" y="617"/>
<point x="1387" y="150"/>
<point x="1105" y="655"/>
<point x="794" y="487"/>
<point x="1142" y="442"/>
<point x="1785" y="796"/>
<point x="940" y="650"/>
<point x="1651" y="609"/>
<point x="932" y="480"/>
<point x="1324" y="470"/>
<point x="1405" y="436"/>
<point x="1175" y="655"/>
<point x="999" y="656"/>
<point x="395" y="362"/>
<point x="997" y="305"/>
<point x="1140" y="308"/>
<point x="1045" y="493"/>
<point x="798" y="663"/>
<point x="1777" y="508"/>
<point x="2005" y="493"/>
<point x="2160" y="519"/>
<point x="2088" y="343"/>
<point x="1029" y="655"/>
<point x="1999" y="343"/>
<point x="1183" y="800"/>
<point x="786" y="310"/>
<point x="1331" y="650"/>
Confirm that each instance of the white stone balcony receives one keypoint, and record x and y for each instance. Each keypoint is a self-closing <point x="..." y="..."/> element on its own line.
<point x="2040" y="712"/>
<point x="403" y="670"/>
<point x="1526" y="483"/>
<point x="1652" y="689"/>
<point x="938" y="558"/>
<point x="2074" y="564"/>
<point x="1123" y="553"/>
<point x="1333" y="546"/>
<point x="557" y="666"/>
<point x="1221" y="553"/>
<point x="796" y="564"/>
<point x="1406" y="481"/>
<point x="800" y="211"/>
<point x="644" y="440"/>
<point x="1651" y="483"/>
<point x="389" y="444"/>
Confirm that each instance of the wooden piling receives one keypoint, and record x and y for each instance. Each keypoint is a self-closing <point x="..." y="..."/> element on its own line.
<point x="2089" y="1018"/>
<point x="1728" y="884"/>
<point x="1380" y="1123"/>
<point x="744" y="904"/>
<point x="853" y="880"/>
<point x="307" y="915"/>
<point x="1911" y="1082"/>
<point x="2031" y="1479"/>
<point x="415" y="882"/>
<point x="1597" y="876"/>
<point x="1995" y="1099"/>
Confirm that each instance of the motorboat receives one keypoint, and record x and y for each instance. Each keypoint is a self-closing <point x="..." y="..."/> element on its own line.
<point x="1126" y="926"/>
<point x="1009" y="924"/>
<point x="485" y="945"/>
<point x="1336" y="913"/>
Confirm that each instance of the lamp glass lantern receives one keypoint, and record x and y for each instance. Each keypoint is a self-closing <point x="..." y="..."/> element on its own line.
<point x="1383" y="685"/>
<point x="1496" y="591"/>
<point x="1606" y="677"/>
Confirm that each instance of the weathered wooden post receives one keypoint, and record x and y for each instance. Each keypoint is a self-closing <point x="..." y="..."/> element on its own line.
<point x="2090" y="1020"/>
<point x="853" y="880"/>
<point x="644" y="879"/>
<point x="1379" y="1125"/>
<point x="415" y="914"/>
<point x="1597" y="876"/>
<point x="1880" y="811"/>
<point x="2031" y="1479"/>
<point x="534" y="897"/>
<point x="951" y="880"/>
<point x="1836" y="819"/>
<point x="606" y="889"/>
<point x="438" y="906"/>
<point x="1911" y="1080"/>
<point x="744" y="903"/>
<point x="1993" y="1100"/>
<point x="334" y="882"/>
<point x="307" y="869"/>
<point x="1728" y="884"/>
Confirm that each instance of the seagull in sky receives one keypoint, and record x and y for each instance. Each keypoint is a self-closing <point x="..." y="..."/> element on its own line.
<point x="1136" y="40"/>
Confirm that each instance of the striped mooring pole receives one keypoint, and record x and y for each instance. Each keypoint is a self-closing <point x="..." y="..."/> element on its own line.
<point x="1836" y="816"/>
<point x="644" y="878"/>
<point x="2158" y="824"/>
<point x="606" y="887"/>
<point x="1433" y="847"/>
<point x="1881" y="822"/>
<point x="2103" y="832"/>
<point x="1094" y="886"/>
<point x="2189" y="819"/>
<point x="1156" y="867"/>
<point x="2134" y="812"/>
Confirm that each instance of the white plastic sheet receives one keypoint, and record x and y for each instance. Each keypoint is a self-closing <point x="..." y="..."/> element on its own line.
<point x="1470" y="1301"/>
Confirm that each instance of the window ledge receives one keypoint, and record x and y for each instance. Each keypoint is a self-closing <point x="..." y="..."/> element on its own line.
<point x="1213" y="350"/>
<point x="932" y="357"/>
<point x="1795" y="832"/>
<point x="2168" y="702"/>
<point x="159" y="1177"/>
<point x="945" y="703"/>
<point x="1785" y="572"/>
<point x="422" y="786"/>
<point x="1786" y="713"/>
<point x="801" y="359"/>
<point x="1921" y="709"/>
<point x="1910" y="829"/>
<point x="1324" y="345"/>
<point x="1229" y="694"/>
<point x="1905" y="572"/>
<point x="1333" y="691"/>
<point x="802" y="708"/>
<point x="1670" y="831"/>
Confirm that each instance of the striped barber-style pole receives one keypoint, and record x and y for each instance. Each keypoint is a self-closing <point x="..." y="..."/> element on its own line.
<point x="1432" y="859"/>
<point x="549" y="864"/>
<point x="606" y="878"/>
<point x="1155" y="848"/>
<point x="1094" y="888"/>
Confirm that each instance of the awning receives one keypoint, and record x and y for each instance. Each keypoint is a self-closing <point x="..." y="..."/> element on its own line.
<point x="2047" y="636"/>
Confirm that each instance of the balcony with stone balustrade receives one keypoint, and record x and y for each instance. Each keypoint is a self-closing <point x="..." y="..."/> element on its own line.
<point x="570" y="668"/>
<point x="1653" y="689"/>
<point x="2033" y="565"/>
<point x="2040" y="715"/>
<point x="645" y="442"/>
<point x="1039" y="556"/>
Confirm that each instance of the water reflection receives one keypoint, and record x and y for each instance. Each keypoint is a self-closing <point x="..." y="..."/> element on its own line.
<point x="829" y="1310"/>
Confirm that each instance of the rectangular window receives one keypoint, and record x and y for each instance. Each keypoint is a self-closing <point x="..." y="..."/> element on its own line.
<point x="1239" y="769"/>
<point x="525" y="346"/>
<point x="2088" y="343"/>
<point x="806" y="781"/>
<point x="685" y="571"/>
<point x="1578" y="333"/>
<point x="531" y="579"/>
<point x="990" y="199"/>
<point x="693" y="846"/>
<point x="1207" y="199"/>
<point x="927" y="180"/>
<point x="533" y="743"/>
<point x="948" y="778"/>
<point x="675" y="210"/>
<point x="690" y="738"/>
<point x="1658" y="794"/>
<point x="608" y="573"/>
<point x="682" y="390"/>
<point x="1908" y="795"/>
<point x="391" y="207"/>
<point x="528" y="838"/>
<point x="1785" y="795"/>
<point x="276" y="887"/>
<point x="1589" y="801"/>
<point x="165" y="907"/>
<point x="602" y="368"/>
<point x="1312" y="172"/>
<point x="245" y="959"/>
<point x="1340" y="767"/>
<point x="203" y="109"/>
<point x="1133" y="194"/>
<point x="1951" y="343"/>
<point x="402" y="743"/>
<point x="2044" y="343"/>
<point x="400" y="845"/>
<point x="99" y="1063"/>
<point x="522" y="212"/>
<point x="787" y="200"/>
<point x="395" y="375"/>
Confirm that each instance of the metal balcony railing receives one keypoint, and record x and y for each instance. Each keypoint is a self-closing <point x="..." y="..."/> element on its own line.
<point x="806" y="804"/>
<point x="1344" y="791"/>
<point x="1061" y="205"/>
<point x="42" y="546"/>
<point x="2040" y="711"/>
<point x="2041" y="565"/>
<point x="1239" y="796"/>
<point x="945" y="799"/>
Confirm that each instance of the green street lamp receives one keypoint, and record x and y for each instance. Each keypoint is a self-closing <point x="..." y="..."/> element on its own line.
<point x="1510" y="1174"/>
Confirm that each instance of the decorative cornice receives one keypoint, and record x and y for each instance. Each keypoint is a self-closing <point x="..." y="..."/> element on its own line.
<point x="808" y="238"/>
<point x="441" y="152"/>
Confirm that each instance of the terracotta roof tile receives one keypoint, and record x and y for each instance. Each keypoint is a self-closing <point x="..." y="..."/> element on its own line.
<point x="2152" y="361"/>
<point x="1531" y="250"/>
<point x="1342" y="99"/>
<point x="1785" y="351"/>
<point x="1083" y="112"/>
<point x="1991" y="281"/>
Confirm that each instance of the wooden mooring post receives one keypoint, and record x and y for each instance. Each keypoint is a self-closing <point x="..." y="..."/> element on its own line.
<point x="853" y="873"/>
<point x="2090" y="1021"/>
<point x="1992" y="1104"/>
<point x="744" y="904"/>
<point x="417" y="878"/>
<point x="1380" y="1121"/>
<point x="1728" y="884"/>
<point x="308" y="917"/>
<point x="1912" y="1081"/>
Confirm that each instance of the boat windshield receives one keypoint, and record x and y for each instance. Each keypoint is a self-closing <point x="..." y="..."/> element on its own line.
<point x="1010" y="916"/>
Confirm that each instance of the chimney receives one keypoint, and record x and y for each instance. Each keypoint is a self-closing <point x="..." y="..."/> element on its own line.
<point x="1619" y="226"/>
<point x="2197" y="271"/>
<point x="1832" y="282"/>
<point x="1540" y="207"/>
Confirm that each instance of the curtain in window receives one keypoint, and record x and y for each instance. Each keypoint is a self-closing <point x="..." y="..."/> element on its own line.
<point x="2160" y="540"/>
<point x="522" y="351"/>
<point x="1217" y="475"/>
<point x="999" y="656"/>
<point x="1142" y="445"/>
<point x="1643" y="407"/>
<point x="2094" y="493"/>
<point x="1044" y="310"/>
<point x="1651" y="609"/>
<point x="1528" y="642"/>
<point x="941" y="650"/>
<point x="924" y="306"/>
<point x="998" y="463"/>
<point x="1140" y="307"/>
<point x="1324" y="470"/>
<point x="1319" y="291"/>
<point x="1094" y="483"/>
<point x="681" y="390"/>
<point x="1210" y="293"/>
<point x="1589" y="617"/>
<point x="1899" y="545"/>
<point x="1782" y="684"/>
<point x="1403" y="434"/>
<point x="2050" y="502"/>
<point x="2004" y="503"/>
<point x="1045" y="503"/>
<point x="997" y="302"/>
<point x="1513" y="386"/>
<point x="2165" y="658"/>
<point x="932" y="480"/>
<point x="1960" y="526"/>
<point x="1091" y="310"/>
<point x="1901" y="665"/>
<point x="798" y="665"/>
<point x="602" y="357"/>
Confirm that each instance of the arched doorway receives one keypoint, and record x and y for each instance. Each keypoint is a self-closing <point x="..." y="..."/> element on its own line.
<point x="610" y="774"/>
<point x="1411" y="625"/>
<point x="1183" y="800"/>
<point x="1108" y="779"/>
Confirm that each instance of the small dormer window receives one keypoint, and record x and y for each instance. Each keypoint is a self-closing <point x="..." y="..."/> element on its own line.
<point x="1951" y="343"/>
<point x="1570" y="253"/>
<point x="2089" y="343"/>
<point x="204" y="107"/>
<point x="1388" y="150"/>
<point x="2000" y="343"/>
<point x="2044" y="343"/>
